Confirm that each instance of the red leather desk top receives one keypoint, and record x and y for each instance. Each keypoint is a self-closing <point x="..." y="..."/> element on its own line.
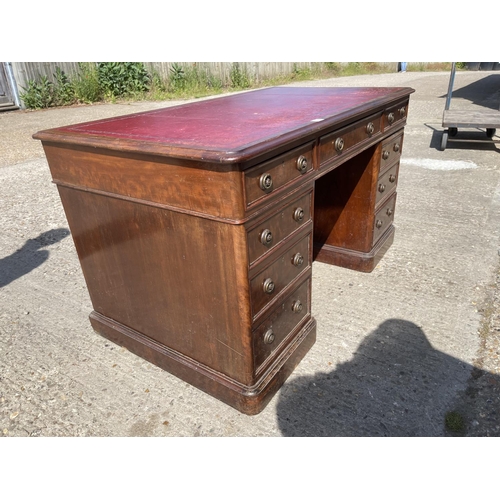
<point x="229" y="128"/>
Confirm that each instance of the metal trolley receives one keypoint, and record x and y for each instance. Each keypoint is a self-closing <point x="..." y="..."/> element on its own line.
<point x="488" y="119"/>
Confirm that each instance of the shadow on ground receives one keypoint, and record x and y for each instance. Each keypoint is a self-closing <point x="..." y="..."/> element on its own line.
<point x="465" y="139"/>
<point x="484" y="92"/>
<point x="29" y="256"/>
<point x="396" y="384"/>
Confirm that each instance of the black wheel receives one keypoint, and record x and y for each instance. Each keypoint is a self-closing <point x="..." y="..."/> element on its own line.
<point x="453" y="131"/>
<point x="444" y="140"/>
<point x="490" y="132"/>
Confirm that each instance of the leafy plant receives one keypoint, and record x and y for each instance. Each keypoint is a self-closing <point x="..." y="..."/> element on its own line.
<point x="239" y="78"/>
<point x="212" y="82"/>
<point x="157" y="82"/>
<point x="301" y="73"/>
<point x="119" y="79"/>
<point x="184" y="82"/>
<point x="177" y="77"/>
<point x="86" y="83"/>
<point x="63" y="90"/>
<point x="38" y="94"/>
<point x="333" y="67"/>
<point x="353" y="68"/>
<point x="198" y="81"/>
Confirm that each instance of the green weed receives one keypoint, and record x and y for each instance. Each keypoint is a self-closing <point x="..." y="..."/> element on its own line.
<point x="38" y="94"/>
<point x="86" y="84"/>
<point x="454" y="422"/>
<point x="63" y="92"/>
<point x="239" y="78"/>
<point x="121" y="79"/>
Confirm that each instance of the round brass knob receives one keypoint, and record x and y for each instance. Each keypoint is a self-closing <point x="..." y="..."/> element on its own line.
<point x="390" y="118"/>
<point x="266" y="182"/>
<point x="379" y="224"/>
<point x="392" y="178"/>
<point x="339" y="144"/>
<point x="385" y="154"/>
<point x="396" y="147"/>
<point x="268" y="285"/>
<point x="297" y="260"/>
<point x="302" y="164"/>
<point x="266" y="237"/>
<point x="370" y="128"/>
<point x="269" y="337"/>
<point x="402" y="111"/>
<point x="390" y="211"/>
<point x="381" y="187"/>
<point x="298" y="215"/>
<point x="297" y="306"/>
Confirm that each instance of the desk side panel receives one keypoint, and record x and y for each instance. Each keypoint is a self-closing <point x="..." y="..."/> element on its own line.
<point x="178" y="279"/>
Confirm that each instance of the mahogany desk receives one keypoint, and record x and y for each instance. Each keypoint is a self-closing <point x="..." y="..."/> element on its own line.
<point x="196" y="226"/>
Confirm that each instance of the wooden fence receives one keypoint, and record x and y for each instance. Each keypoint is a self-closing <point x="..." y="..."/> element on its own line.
<point x="256" y="71"/>
<point x="26" y="71"/>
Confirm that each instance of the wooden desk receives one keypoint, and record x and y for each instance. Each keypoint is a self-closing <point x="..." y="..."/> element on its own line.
<point x="196" y="226"/>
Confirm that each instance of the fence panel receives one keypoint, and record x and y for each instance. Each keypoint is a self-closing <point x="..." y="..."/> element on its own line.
<point x="256" y="71"/>
<point x="26" y="71"/>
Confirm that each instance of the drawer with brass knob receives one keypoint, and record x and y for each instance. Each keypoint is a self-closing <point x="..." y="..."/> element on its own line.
<point x="395" y="115"/>
<point x="391" y="151"/>
<point x="340" y="142"/>
<point x="387" y="183"/>
<point x="272" y="175"/>
<point x="283" y="223"/>
<point x="282" y="324"/>
<point x="268" y="284"/>
<point x="383" y="218"/>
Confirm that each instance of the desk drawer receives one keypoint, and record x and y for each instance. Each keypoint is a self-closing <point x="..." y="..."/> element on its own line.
<point x="269" y="233"/>
<point x="285" y="319"/>
<point x="395" y="115"/>
<point x="387" y="183"/>
<point x="265" y="178"/>
<point x="337" y="143"/>
<point x="270" y="282"/>
<point x="391" y="151"/>
<point x="383" y="218"/>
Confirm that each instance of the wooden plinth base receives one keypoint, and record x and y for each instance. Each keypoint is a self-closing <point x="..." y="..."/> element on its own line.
<point x="352" y="259"/>
<point x="246" y="399"/>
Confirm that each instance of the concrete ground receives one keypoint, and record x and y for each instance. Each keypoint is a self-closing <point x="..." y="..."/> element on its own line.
<point x="397" y="349"/>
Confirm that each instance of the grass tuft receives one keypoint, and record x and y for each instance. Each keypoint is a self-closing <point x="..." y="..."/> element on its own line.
<point x="454" y="422"/>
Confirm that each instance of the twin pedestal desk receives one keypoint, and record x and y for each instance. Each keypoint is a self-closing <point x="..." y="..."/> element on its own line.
<point x="196" y="226"/>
